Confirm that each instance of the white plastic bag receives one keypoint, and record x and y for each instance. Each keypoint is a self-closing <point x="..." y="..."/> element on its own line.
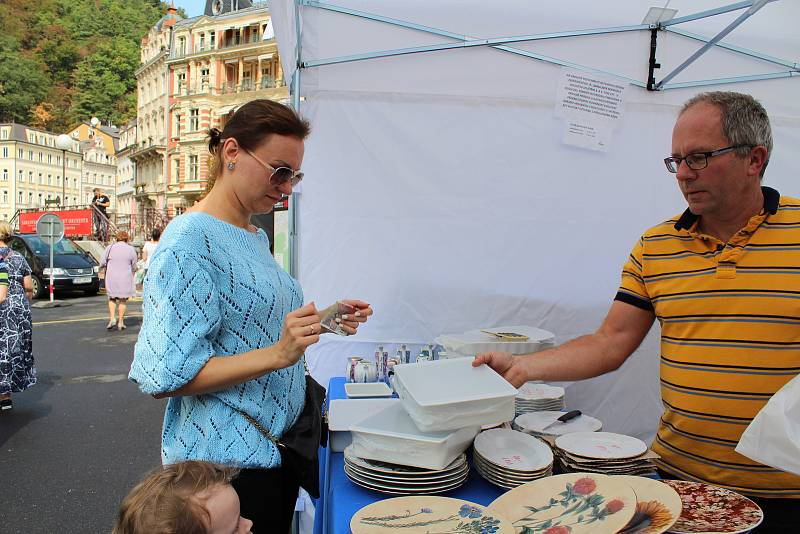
<point x="773" y="437"/>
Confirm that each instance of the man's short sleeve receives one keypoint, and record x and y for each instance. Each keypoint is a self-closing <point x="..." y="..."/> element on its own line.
<point x="632" y="289"/>
<point x="181" y="316"/>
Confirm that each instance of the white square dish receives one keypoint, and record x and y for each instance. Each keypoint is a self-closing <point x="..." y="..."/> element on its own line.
<point x="451" y="394"/>
<point x="344" y="413"/>
<point x="391" y="436"/>
<point x="367" y="389"/>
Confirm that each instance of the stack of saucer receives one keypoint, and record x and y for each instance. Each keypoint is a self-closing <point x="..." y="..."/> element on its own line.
<point x="508" y="458"/>
<point x="402" y="480"/>
<point x="534" y="397"/>
<point x="604" y="452"/>
<point x="546" y="423"/>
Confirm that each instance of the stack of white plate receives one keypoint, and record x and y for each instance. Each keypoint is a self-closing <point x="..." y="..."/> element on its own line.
<point x="546" y="424"/>
<point x="508" y="458"/>
<point x="603" y="452"/>
<point x="403" y="480"/>
<point x="533" y="397"/>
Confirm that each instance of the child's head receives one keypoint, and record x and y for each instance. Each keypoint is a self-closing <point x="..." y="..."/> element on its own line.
<point x="186" y="498"/>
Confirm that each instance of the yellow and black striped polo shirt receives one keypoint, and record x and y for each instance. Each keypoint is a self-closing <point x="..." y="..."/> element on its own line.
<point x="730" y="338"/>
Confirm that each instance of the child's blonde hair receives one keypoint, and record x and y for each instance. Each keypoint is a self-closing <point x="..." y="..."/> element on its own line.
<point x="170" y="500"/>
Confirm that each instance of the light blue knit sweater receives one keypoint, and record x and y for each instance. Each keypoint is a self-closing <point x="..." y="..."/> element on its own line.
<point x="213" y="289"/>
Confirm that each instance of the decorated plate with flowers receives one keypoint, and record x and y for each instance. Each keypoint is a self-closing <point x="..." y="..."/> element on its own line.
<point x="574" y="503"/>
<point x="658" y="506"/>
<point x="428" y="515"/>
<point x="708" y="508"/>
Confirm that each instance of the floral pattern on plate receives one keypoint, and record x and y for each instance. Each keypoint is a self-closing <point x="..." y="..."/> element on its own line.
<point x="658" y="506"/>
<point x="573" y="503"/>
<point x="708" y="508"/>
<point x="428" y="515"/>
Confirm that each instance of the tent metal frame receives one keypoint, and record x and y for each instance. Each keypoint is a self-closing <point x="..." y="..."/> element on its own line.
<point x="791" y="68"/>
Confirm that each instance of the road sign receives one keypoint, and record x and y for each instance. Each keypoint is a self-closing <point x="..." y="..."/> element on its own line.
<point x="50" y="228"/>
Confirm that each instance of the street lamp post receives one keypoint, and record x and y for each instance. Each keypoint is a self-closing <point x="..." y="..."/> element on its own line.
<point x="63" y="142"/>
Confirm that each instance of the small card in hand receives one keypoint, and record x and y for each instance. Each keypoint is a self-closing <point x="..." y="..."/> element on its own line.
<point x="333" y="312"/>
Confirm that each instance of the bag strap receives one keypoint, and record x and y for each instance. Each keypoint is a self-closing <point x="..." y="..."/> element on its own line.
<point x="266" y="433"/>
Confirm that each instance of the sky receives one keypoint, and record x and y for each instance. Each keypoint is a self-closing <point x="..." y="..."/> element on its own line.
<point x="193" y="8"/>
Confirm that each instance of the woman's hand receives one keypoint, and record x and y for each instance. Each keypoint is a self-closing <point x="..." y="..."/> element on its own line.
<point x="350" y="322"/>
<point x="301" y="329"/>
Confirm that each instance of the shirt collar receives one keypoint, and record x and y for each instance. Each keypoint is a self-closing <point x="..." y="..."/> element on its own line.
<point x="771" y="200"/>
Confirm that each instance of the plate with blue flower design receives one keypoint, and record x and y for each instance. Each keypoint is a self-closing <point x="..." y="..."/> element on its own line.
<point x="428" y="515"/>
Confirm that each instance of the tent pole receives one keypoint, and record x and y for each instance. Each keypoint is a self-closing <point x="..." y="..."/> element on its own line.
<point x="652" y="65"/>
<point x="294" y="245"/>
<point x="713" y="41"/>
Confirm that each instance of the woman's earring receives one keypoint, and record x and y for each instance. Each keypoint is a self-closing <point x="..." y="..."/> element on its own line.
<point x="231" y="165"/>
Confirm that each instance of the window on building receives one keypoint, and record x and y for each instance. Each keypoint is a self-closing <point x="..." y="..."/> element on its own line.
<point x="19" y="197"/>
<point x="181" y="81"/>
<point x="193" y="167"/>
<point x="21" y="177"/>
<point x="50" y="159"/>
<point x="41" y="180"/>
<point x="181" y="46"/>
<point x="5" y="151"/>
<point x="176" y="176"/>
<point x="21" y="154"/>
<point x="204" y="79"/>
<point x="49" y="179"/>
<point x="30" y="155"/>
<point x="4" y="133"/>
<point x="30" y="199"/>
<point x="211" y="38"/>
<point x="194" y="120"/>
<point x="30" y="176"/>
<point x="202" y="41"/>
<point x="5" y="175"/>
<point x="41" y="157"/>
<point x="5" y="196"/>
<point x="177" y="125"/>
<point x="41" y="200"/>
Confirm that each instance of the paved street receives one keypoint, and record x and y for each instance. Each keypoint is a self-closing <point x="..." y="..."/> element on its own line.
<point x="75" y="443"/>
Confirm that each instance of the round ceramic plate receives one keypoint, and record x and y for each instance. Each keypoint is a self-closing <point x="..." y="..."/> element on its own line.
<point x="513" y="450"/>
<point x="658" y="506"/>
<point x="423" y="515"/>
<point x="583" y="502"/>
<point x="536" y="421"/>
<point x="521" y="476"/>
<point x="382" y="467"/>
<point x="410" y="482"/>
<point x="530" y="391"/>
<point x="392" y="490"/>
<point x="602" y="445"/>
<point x="708" y="508"/>
<point x="378" y="475"/>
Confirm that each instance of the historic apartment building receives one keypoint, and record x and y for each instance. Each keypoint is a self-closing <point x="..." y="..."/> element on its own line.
<point x="31" y="170"/>
<point x="98" y="144"/>
<point x="126" y="174"/>
<point x="217" y="62"/>
<point x="149" y="153"/>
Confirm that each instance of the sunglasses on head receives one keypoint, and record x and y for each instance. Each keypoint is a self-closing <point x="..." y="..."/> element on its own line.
<point x="278" y="176"/>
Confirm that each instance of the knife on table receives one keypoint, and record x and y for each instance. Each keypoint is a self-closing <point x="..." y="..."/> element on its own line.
<point x="563" y="419"/>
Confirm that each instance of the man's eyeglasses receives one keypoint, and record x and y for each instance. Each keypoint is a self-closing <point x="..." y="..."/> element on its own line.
<point x="281" y="175"/>
<point x="698" y="160"/>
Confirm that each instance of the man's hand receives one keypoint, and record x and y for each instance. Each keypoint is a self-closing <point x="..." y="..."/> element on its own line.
<point x="505" y="365"/>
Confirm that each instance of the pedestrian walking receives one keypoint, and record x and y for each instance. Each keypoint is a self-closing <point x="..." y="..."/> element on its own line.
<point x="119" y="260"/>
<point x="225" y="328"/>
<point x="17" y="369"/>
<point x="149" y="248"/>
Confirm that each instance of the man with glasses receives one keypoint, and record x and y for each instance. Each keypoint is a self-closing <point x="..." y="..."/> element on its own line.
<point x="723" y="279"/>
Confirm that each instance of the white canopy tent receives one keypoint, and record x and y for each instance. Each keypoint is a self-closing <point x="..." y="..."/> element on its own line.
<point x="440" y="188"/>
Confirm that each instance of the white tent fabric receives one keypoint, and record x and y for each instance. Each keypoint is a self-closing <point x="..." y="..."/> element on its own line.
<point x="439" y="188"/>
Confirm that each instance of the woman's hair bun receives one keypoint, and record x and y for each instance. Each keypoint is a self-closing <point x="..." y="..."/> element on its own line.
<point x="214" y="139"/>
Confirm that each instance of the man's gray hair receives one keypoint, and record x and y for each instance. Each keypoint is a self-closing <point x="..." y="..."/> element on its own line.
<point x="744" y="120"/>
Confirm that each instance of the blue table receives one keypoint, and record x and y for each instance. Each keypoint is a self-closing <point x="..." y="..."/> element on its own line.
<point x="340" y="498"/>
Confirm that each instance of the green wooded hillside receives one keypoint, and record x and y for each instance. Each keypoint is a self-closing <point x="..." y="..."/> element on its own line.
<point x="64" y="61"/>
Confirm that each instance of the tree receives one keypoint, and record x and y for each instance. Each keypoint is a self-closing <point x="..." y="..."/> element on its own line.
<point x="23" y="82"/>
<point x="41" y="115"/>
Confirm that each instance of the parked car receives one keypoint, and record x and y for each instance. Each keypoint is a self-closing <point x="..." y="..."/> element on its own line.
<point x="73" y="269"/>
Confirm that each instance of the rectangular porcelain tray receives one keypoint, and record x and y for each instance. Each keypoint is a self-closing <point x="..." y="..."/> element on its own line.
<point x="367" y="389"/>
<point x="344" y="413"/>
<point x="391" y="436"/>
<point x="451" y="394"/>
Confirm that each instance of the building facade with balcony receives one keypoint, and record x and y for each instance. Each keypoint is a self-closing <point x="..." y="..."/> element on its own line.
<point x="31" y="170"/>
<point x="217" y="62"/>
<point x="149" y="153"/>
<point x="126" y="174"/>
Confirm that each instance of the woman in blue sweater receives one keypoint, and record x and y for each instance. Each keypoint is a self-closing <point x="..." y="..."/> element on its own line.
<point x="225" y="327"/>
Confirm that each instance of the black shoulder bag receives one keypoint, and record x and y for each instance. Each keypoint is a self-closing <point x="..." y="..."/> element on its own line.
<point x="299" y="446"/>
